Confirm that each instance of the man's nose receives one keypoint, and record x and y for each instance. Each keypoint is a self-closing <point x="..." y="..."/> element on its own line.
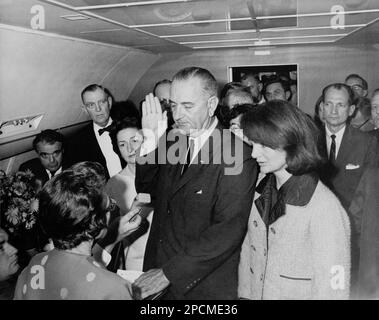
<point x="177" y="113"/>
<point x="51" y="158"/>
<point x="334" y="108"/>
<point x="255" y="152"/>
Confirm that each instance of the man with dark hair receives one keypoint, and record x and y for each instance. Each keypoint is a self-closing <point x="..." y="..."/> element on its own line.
<point x="276" y="89"/>
<point x="357" y="84"/>
<point x="201" y="207"/>
<point x="350" y="152"/>
<point x="92" y="143"/>
<point x="49" y="146"/>
<point x="255" y="86"/>
<point x="362" y="115"/>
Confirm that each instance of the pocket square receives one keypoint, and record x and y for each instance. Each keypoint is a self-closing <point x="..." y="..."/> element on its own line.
<point x="199" y="192"/>
<point x="352" y="166"/>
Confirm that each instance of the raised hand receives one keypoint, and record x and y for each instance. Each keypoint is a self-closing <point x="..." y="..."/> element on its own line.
<point x="153" y="120"/>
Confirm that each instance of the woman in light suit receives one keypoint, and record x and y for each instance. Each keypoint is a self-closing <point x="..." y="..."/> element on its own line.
<point x="298" y="240"/>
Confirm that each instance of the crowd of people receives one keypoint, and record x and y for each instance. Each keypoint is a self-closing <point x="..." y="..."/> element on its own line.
<point x="250" y="197"/>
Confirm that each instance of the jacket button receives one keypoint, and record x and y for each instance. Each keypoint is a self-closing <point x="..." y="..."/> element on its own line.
<point x="262" y="277"/>
<point x="264" y="252"/>
<point x="272" y="230"/>
<point x="255" y="223"/>
<point x="160" y="241"/>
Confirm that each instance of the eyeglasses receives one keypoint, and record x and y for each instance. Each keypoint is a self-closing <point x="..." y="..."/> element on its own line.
<point x="92" y="105"/>
<point x="46" y="155"/>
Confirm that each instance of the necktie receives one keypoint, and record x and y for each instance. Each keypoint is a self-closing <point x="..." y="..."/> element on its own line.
<point x="101" y="131"/>
<point x="332" y="153"/>
<point x="191" y="144"/>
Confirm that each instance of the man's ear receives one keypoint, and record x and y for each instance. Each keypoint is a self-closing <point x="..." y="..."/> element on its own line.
<point x="212" y="105"/>
<point x="260" y="86"/>
<point x="110" y="101"/>
<point x="288" y="95"/>
<point x="351" y="110"/>
<point x="365" y="93"/>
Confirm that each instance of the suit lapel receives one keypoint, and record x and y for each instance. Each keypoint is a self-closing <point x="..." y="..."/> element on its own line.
<point x="346" y="146"/>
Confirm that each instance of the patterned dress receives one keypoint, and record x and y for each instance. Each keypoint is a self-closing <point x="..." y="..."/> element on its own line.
<point x="62" y="275"/>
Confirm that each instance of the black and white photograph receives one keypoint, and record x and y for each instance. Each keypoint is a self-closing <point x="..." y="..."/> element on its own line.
<point x="210" y="151"/>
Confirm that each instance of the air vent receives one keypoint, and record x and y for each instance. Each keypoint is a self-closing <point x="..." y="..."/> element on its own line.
<point x="20" y="125"/>
<point x="75" y="17"/>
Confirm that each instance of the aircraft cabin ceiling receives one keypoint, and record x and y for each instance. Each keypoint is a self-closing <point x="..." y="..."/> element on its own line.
<point x="178" y="25"/>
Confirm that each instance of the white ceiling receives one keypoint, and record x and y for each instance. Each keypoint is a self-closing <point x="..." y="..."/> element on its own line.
<point x="175" y="25"/>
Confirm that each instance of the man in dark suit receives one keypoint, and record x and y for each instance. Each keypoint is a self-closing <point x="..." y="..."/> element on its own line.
<point x="93" y="142"/>
<point x="49" y="146"/>
<point x="202" y="200"/>
<point x="351" y="152"/>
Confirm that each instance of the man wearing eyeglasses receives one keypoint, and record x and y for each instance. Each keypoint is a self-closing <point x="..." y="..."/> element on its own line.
<point x="93" y="143"/>
<point x="357" y="84"/>
<point x="49" y="146"/>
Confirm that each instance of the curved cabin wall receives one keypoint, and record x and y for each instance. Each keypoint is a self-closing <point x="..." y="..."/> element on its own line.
<point x="44" y="73"/>
<point x="317" y="65"/>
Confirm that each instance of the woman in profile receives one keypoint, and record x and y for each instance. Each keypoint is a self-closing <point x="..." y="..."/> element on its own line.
<point x="298" y="240"/>
<point x="74" y="212"/>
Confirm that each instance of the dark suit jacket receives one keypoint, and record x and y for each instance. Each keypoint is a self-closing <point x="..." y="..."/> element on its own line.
<point x="364" y="210"/>
<point x="35" y="166"/>
<point x="200" y="220"/>
<point x="83" y="146"/>
<point x="358" y="151"/>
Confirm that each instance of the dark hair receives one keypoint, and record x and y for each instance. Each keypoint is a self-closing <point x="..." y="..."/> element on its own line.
<point x="72" y="209"/>
<point x="209" y="81"/>
<point x="48" y="136"/>
<point x="340" y="86"/>
<point x="164" y="81"/>
<point x="117" y="126"/>
<point x="251" y="75"/>
<point x="357" y="76"/>
<point x="280" y="125"/>
<point x="94" y="87"/>
<point x="363" y="105"/>
<point x="95" y="172"/>
<point x="239" y="110"/>
<point x="232" y="86"/>
<point x="275" y="79"/>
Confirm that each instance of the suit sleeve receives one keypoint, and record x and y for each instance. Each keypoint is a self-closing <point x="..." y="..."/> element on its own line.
<point x="224" y="236"/>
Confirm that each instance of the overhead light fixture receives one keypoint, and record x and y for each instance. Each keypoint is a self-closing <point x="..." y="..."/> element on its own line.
<point x="265" y="41"/>
<point x="128" y="4"/>
<point x="275" y="44"/>
<point x="254" y="31"/>
<point x="74" y="17"/>
<point x="100" y="30"/>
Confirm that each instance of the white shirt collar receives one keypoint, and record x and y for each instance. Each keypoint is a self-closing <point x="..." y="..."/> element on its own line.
<point x="56" y="172"/>
<point x="200" y="140"/>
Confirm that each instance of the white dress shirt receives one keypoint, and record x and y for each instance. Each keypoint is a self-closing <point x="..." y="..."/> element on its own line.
<point x="56" y="172"/>
<point x="105" y="143"/>
<point x="338" y="138"/>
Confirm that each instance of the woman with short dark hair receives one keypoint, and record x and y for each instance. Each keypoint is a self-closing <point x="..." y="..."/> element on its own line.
<point x="73" y="212"/>
<point x="298" y="240"/>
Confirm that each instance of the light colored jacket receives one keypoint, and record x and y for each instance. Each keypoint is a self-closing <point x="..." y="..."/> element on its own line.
<point x="306" y="254"/>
